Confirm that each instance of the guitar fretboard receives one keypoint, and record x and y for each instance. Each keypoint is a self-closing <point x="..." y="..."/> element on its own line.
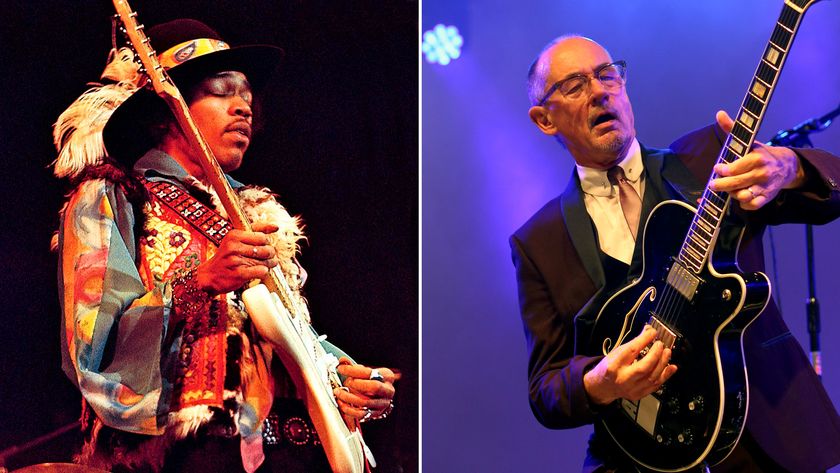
<point x="702" y="233"/>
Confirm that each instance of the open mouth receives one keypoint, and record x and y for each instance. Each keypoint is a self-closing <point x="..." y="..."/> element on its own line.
<point x="603" y="118"/>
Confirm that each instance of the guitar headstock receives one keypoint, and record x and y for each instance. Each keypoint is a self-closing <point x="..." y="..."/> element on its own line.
<point x="155" y="72"/>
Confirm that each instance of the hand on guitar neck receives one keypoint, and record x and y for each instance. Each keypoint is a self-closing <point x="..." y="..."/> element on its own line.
<point x="622" y="374"/>
<point x="367" y="393"/>
<point x="757" y="178"/>
<point x="242" y="257"/>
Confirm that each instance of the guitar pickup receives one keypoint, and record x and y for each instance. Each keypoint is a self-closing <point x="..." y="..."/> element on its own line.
<point x="682" y="280"/>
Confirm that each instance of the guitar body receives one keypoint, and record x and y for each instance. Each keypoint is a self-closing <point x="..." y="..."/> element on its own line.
<point x="310" y="369"/>
<point x="698" y="415"/>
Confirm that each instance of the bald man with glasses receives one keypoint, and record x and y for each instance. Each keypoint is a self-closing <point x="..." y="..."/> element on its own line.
<point x="585" y="245"/>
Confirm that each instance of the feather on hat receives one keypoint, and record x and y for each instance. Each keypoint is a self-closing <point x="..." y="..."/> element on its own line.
<point x="108" y="120"/>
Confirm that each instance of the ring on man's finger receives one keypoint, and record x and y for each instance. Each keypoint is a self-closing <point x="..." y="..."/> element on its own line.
<point x="254" y="251"/>
<point x="376" y="375"/>
<point x="753" y="193"/>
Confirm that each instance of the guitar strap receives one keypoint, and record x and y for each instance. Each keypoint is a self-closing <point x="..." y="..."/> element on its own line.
<point x="204" y="219"/>
<point x="214" y="227"/>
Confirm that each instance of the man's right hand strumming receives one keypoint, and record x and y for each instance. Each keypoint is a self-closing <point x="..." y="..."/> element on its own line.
<point x="621" y="374"/>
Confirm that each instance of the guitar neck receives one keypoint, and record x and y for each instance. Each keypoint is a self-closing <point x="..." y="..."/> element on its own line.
<point x="704" y="228"/>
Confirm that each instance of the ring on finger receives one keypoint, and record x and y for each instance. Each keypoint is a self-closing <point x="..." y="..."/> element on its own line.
<point x="753" y="193"/>
<point x="254" y="251"/>
<point x="376" y="375"/>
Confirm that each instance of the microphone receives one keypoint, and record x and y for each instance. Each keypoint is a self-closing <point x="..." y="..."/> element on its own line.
<point x="798" y="135"/>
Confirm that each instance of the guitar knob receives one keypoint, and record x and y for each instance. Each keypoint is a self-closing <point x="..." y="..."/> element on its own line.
<point x="696" y="404"/>
<point x="663" y="439"/>
<point x="686" y="437"/>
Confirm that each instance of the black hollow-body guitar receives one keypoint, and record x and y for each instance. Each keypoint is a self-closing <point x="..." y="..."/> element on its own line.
<point x="693" y="293"/>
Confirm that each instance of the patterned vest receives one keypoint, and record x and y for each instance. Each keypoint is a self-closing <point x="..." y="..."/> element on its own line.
<point x="169" y="247"/>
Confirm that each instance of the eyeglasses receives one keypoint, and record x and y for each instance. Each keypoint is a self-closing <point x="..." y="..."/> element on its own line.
<point x="611" y="77"/>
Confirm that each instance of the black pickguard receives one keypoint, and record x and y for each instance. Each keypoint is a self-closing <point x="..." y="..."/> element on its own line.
<point x="702" y="408"/>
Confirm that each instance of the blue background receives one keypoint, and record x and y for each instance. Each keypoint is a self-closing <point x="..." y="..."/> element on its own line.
<point x="486" y="169"/>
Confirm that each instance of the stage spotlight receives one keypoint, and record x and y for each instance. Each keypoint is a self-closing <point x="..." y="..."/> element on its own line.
<point x="442" y="44"/>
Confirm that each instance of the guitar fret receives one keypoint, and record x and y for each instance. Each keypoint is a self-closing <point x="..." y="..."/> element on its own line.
<point x="690" y="252"/>
<point x="785" y="27"/>
<point x="798" y="5"/>
<point x="691" y="261"/>
<point x="789" y="17"/>
<point x="760" y="89"/>
<point x="717" y="209"/>
<point x="708" y="218"/>
<point x="741" y="133"/>
<point x="695" y="255"/>
<point x="703" y="228"/>
<point x="710" y="208"/>
<point x="713" y="211"/>
<point x="704" y="225"/>
<point x="728" y="156"/>
<point x="781" y="38"/>
<point x="753" y="105"/>
<point x="699" y="244"/>
<point x="756" y="97"/>
<point x="737" y="147"/>
<point x="747" y="120"/>
<point x="696" y="249"/>
<point x="700" y="233"/>
<point x="703" y="244"/>
<point x="718" y="199"/>
<point x="697" y="237"/>
<point x="766" y="73"/>
<point x="776" y="46"/>
<point x="772" y="55"/>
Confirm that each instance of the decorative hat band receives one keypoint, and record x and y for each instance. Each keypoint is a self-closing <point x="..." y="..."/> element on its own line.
<point x="183" y="52"/>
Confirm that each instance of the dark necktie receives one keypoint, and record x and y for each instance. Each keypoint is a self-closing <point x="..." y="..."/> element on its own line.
<point x="631" y="204"/>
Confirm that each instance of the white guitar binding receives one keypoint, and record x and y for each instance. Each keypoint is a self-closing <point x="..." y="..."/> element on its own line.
<point x="298" y="346"/>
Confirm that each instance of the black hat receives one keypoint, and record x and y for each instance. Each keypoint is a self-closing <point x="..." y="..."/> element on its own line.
<point x="190" y="51"/>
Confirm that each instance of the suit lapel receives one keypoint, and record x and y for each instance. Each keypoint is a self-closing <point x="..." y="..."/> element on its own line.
<point x="673" y="176"/>
<point x="581" y="230"/>
<point x="666" y="179"/>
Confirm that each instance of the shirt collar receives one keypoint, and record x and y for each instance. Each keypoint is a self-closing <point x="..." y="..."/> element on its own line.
<point x="156" y="164"/>
<point x="595" y="181"/>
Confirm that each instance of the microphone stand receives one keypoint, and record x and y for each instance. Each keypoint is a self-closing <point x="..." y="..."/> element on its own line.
<point x="798" y="137"/>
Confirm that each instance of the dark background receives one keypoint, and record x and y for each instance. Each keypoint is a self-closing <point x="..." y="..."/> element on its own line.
<point x="339" y="145"/>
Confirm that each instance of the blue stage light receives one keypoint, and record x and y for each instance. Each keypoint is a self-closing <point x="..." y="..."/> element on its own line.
<point x="442" y="44"/>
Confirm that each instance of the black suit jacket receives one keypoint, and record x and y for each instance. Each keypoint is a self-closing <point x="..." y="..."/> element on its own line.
<point x="561" y="282"/>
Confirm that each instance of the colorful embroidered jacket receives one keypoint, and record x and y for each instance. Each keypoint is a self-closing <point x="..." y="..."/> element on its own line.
<point x="135" y="370"/>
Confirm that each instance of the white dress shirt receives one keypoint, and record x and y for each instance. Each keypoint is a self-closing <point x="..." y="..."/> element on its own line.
<point x="603" y="205"/>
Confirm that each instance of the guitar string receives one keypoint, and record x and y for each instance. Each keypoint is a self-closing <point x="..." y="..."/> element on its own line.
<point x="670" y="306"/>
